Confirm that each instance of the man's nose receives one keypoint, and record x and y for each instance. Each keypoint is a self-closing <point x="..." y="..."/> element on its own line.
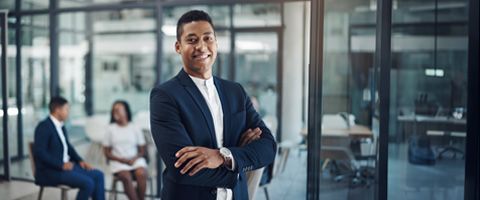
<point x="201" y="46"/>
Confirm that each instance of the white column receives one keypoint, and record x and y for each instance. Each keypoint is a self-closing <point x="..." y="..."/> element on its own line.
<point x="293" y="56"/>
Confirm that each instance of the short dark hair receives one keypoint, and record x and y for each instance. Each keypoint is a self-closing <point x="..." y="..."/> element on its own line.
<point x="127" y="109"/>
<point x="192" y="16"/>
<point x="56" y="102"/>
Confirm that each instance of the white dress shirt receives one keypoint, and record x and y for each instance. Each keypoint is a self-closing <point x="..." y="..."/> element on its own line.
<point x="210" y="93"/>
<point x="58" y="126"/>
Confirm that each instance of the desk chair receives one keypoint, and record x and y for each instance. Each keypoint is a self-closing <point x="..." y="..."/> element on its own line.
<point x="344" y="166"/>
<point x="64" y="188"/>
<point x="449" y="148"/>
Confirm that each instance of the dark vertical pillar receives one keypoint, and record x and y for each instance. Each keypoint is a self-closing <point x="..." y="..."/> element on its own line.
<point x="382" y="74"/>
<point x="3" y="65"/>
<point x="472" y="154"/>
<point x="19" y="83"/>
<point x="159" y="36"/>
<point x="53" y="27"/>
<point x="315" y="100"/>
<point x="89" y="103"/>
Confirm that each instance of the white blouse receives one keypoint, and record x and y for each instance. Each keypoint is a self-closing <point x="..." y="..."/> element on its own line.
<point x="124" y="141"/>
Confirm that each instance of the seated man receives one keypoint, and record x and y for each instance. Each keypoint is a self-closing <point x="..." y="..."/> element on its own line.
<point x="57" y="162"/>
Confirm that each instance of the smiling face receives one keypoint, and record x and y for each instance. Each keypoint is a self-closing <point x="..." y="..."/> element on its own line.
<point x="198" y="48"/>
<point x="120" y="114"/>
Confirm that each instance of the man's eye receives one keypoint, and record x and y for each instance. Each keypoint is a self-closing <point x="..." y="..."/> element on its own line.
<point x="191" y="40"/>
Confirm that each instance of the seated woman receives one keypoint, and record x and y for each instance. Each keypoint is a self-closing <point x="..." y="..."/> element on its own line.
<point x="124" y="146"/>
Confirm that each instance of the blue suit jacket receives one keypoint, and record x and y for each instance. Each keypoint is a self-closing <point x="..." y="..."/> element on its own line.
<point x="180" y="117"/>
<point x="48" y="153"/>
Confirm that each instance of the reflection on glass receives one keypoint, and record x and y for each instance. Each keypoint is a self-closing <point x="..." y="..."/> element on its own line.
<point x="124" y="20"/>
<point x="256" y="68"/>
<point x="348" y="155"/>
<point x="73" y="48"/>
<point x="75" y="3"/>
<point x="34" y="4"/>
<point x="35" y="80"/>
<point x="253" y="15"/>
<point x="219" y="14"/>
<point x="7" y="5"/>
<point x="122" y="72"/>
<point x="428" y="100"/>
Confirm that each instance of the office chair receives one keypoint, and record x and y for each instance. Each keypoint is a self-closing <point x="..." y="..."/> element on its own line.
<point x="64" y="188"/>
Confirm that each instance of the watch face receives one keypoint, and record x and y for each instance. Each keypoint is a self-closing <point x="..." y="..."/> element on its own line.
<point x="225" y="151"/>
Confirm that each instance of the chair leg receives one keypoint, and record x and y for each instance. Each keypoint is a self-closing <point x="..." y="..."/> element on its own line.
<point x="113" y="193"/>
<point x="285" y="158"/>
<point x="151" y="187"/>
<point x="64" y="194"/>
<point x="40" y="193"/>
<point x="266" y="193"/>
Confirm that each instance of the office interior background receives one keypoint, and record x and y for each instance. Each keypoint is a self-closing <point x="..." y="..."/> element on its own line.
<point x="368" y="99"/>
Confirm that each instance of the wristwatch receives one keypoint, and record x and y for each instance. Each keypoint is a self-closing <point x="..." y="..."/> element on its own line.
<point x="227" y="156"/>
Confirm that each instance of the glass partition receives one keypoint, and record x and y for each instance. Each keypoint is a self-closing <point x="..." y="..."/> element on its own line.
<point x="428" y="99"/>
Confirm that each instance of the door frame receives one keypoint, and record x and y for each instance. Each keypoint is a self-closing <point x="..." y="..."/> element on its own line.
<point x="4" y="40"/>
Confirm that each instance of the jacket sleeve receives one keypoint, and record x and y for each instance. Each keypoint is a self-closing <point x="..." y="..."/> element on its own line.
<point x="258" y="153"/>
<point x="170" y="136"/>
<point x="42" y="136"/>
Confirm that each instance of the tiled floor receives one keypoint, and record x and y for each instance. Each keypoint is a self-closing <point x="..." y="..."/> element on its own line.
<point x="443" y="181"/>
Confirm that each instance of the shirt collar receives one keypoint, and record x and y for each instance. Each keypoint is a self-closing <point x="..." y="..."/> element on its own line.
<point x="56" y="122"/>
<point x="202" y="82"/>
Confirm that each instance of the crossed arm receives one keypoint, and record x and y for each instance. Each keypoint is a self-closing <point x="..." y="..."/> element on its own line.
<point x="180" y="154"/>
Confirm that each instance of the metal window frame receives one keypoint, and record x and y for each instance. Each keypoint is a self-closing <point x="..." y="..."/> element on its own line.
<point x="472" y="149"/>
<point x="3" y="65"/>
<point x="315" y="100"/>
<point x="382" y="70"/>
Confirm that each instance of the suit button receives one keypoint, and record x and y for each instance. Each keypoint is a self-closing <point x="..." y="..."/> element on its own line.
<point x="214" y="191"/>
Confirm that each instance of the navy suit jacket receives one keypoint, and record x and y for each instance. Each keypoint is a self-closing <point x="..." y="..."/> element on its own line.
<point x="179" y="117"/>
<point x="48" y="153"/>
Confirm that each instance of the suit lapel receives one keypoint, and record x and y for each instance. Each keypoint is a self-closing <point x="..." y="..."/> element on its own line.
<point x="199" y="101"/>
<point x="52" y="127"/>
<point x="226" y="112"/>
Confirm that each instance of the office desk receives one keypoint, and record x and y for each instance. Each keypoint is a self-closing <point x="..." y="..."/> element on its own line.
<point x="420" y="124"/>
<point x="355" y="131"/>
<point x="430" y="119"/>
<point x="343" y="137"/>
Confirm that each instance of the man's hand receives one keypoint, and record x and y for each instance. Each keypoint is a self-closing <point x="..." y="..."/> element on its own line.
<point x="249" y="136"/>
<point x="67" y="166"/>
<point x="85" y="165"/>
<point x="198" y="158"/>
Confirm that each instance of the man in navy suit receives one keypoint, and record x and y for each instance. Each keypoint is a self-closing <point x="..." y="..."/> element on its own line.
<point x="57" y="162"/>
<point x="205" y="128"/>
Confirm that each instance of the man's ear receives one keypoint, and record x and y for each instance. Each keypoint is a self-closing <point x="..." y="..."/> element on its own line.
<point x="177" y="47"/>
